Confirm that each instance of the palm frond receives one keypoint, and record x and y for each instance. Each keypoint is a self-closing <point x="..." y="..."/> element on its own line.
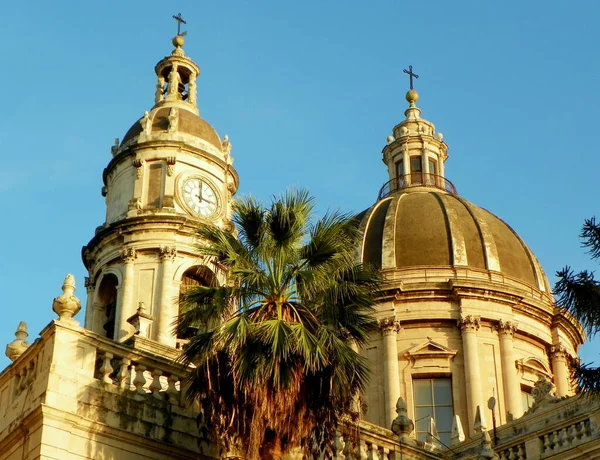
<point x="580" y="295"/>
<point x="590" y="235"/>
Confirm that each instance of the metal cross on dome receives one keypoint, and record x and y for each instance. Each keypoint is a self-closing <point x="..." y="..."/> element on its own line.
<point x="180" y="21"/>
<point x="409" y="72"/>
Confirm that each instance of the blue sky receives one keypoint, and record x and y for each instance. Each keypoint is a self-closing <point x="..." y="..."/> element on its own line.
<point x="307" y="92"/>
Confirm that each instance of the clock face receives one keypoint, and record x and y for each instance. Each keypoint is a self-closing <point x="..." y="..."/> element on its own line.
<point x="200" y="197"/>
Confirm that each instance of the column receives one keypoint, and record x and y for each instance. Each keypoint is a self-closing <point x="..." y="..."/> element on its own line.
<point x="126" y="308"/>
<point x="406" y="163"/>
<point x="389" y="330"/>
<point x="560" y="368"/>
<point x="165" y="315"/>
<point x="512" y="390"/>
<point x="90" y="310"/>
<point x="469" y="325"/>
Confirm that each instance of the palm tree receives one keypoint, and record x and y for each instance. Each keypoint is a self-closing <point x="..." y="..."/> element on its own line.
<point x="579" y="293"/>
<point x="275" y="357"/>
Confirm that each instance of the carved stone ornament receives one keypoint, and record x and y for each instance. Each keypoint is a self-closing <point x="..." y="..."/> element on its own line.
<point x="458" y="434"/>
<point x="486" y="451"/>
<point x="543" y="395"/>
<point x="173" y="89"/>
<point x="192" y="90"/>
<point x="137" y="164"/>
<point x="173" y="119"/>
<point x="67" y="305"/>
<point x="168" y="253"/>
<point x="389" y="325"/>
<point x="104" y="191"/>
<point x="114" y="149"/>
<point x="134" y="204"/>
<point x="146" y="123"/>
<point x="128" y="255"/>
<point x="558" y="351"/>
<point x="170" y="166"/>
<point x="402" y="426"/>
<point x="506" y="328"/>
<point x="18" y="346"/>
<point x="469" y="323"/>
<point x="160" y="90"/>
<point x="89" y="284"/>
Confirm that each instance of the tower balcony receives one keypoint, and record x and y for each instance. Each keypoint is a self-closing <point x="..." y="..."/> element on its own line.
<point x="416" y="180"/>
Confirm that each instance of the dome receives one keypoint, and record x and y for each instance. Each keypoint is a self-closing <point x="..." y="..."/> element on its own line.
<point x="189" y="123"/>
<point x="431" y="228"/>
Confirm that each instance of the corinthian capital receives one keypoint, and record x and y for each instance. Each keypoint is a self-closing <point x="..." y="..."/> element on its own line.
<point x="128" y="255"/>
<point x="558" y="351"/>
<point x="389" y="325"/>
<point x="469" y="323"/>
<point x="507" y="328"/>
<point x="168" y="253"/>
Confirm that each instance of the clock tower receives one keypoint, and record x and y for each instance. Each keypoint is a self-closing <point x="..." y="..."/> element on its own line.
<point x="170" y="172"/>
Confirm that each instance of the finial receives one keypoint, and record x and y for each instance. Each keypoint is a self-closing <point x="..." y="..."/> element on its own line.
<point x="67" y="305"/>
<point x="458" y="435"/>
<point x="412" y="96"/>
<point x="141" y="321"/>
<point x="402" y="426"/>
<point x="479" y="424"/>
<point x="178" y="40"/>
<point x="18" y="346"/>
<point x="486" y="452"/>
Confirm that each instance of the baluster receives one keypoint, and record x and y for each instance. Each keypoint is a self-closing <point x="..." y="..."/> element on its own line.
<point x="172" y="392"/>
<point x="571" y="436"/>
<point x="362" y="451"/>
<point x="140" y="380"/>
<point x="562" y="437"/>
<point x="547" y="442"/>
<point x="156" y="386"/>
<point x="338" y="446"/>
<point x="123" y="374"/>
<point x="585" y="430"/>
<point x="555" y="445"/>
<point x="521" y="452"/>
<point x="386" y="454"/>
<point x="349" y="450"/>
<point x="106" y="369"/>
<point x="503" y="455"/>
<point x="512" y="454"/>
<point x="374" y="452"/>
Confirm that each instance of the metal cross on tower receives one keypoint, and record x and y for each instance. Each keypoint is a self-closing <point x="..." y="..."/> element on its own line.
<point x="409" y="72"/>
<point x="180" y="21"/>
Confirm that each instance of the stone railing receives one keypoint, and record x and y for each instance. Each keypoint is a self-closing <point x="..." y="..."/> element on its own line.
<point x="517" y="452"/>
<point x="566" y="437"/>
<point x="131" y="372"/>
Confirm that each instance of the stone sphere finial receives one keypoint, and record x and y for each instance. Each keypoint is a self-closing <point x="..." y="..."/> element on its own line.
<point x="412" y="96"/>
<point x="178" y="41"/>
<point x="67" y="305"/>
<point x="18" y="346"/>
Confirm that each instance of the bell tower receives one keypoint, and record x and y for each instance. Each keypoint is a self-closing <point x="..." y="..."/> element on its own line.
<point x="170" y="172"/>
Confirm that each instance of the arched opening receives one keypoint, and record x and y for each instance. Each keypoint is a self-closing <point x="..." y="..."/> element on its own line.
<point x="191" y="278"/>
<point x="107" y="299"/>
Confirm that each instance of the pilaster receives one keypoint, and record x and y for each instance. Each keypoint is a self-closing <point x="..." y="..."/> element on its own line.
<point x="469" y="325"/>
<point x="560" y="368"/>
<point x="165" y="314"/>
<point x="126" y="307"/>
<point x="389" y="329"/>
<point x="512" y="392"/>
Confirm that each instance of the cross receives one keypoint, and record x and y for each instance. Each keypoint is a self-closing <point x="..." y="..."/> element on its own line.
<point x="409" y="72"/>
<point x="180" y="21"/>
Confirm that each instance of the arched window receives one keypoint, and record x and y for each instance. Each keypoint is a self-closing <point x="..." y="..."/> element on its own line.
<point x="192" y="277"/>
<point x="107" y="298"/>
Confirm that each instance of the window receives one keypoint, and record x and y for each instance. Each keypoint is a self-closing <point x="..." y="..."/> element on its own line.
<point x="399" y="168"/>
<point x="416" y="169"/>
<point x="195" y="276"/>
<point x="433" y="398"/>
<point x="432" y="166"/>
<point x="526" y="398"/>
<point x="107" y="298"/>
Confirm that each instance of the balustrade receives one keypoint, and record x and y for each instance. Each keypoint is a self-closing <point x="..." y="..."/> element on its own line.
<point x="139" y="378"/>
<point x="566" y="437"/>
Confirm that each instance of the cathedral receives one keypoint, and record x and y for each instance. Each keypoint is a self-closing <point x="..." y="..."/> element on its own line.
<point x="471" y="360"/>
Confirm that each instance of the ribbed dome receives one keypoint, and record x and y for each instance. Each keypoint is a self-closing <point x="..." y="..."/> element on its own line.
<point x="432" y="228"/>
<point x="189" y="123"/>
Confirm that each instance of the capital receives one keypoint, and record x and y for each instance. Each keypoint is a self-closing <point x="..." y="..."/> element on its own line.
<point x="506" y="328"/>
<point x="469" y="323"/>
<point x="89" y="284"/>
<point x="389" y="325"/>
<point x="168" y="253"/>
<point x="128" y="255"/>
<point x="558" y="351"/>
